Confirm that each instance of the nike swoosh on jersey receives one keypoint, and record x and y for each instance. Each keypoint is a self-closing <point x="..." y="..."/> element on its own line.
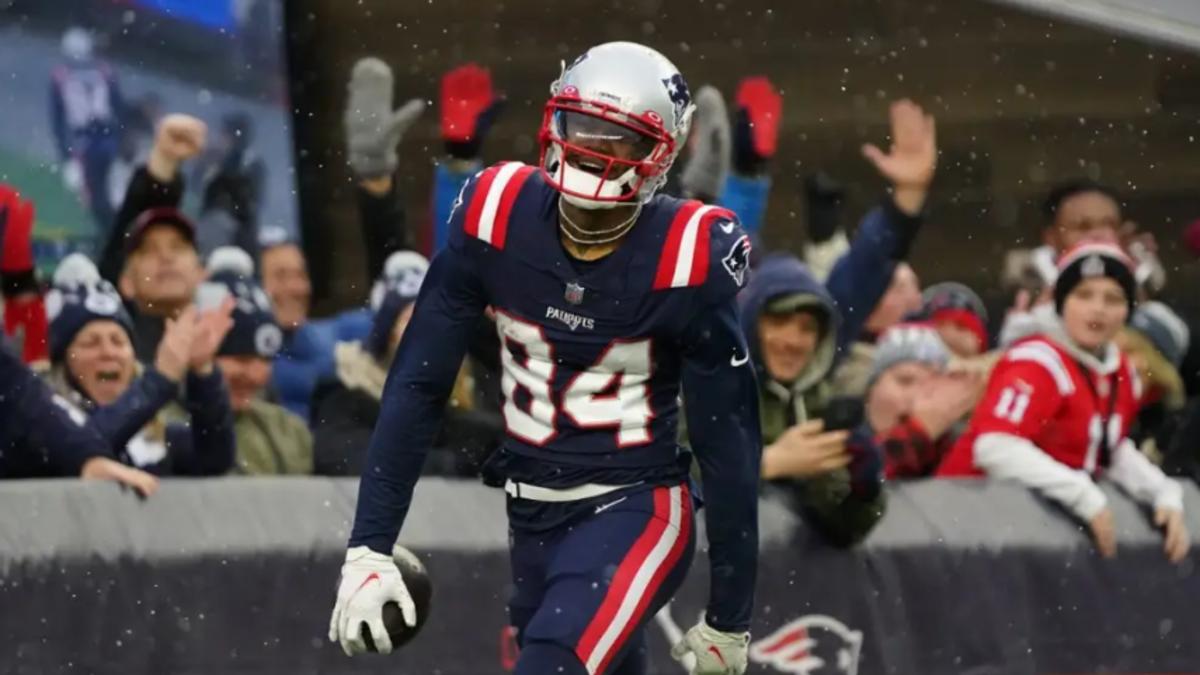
<point x="735" y="361"/>
<point x="604" y="507"/>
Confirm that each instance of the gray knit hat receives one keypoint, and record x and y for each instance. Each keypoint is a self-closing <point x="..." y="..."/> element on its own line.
<point x="1165" y="330"/>
<point x="908" y="342"/>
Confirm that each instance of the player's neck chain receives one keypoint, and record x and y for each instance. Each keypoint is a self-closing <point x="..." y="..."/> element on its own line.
<point x="585" y="237"/>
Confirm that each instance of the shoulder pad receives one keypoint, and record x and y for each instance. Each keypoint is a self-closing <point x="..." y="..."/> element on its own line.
<point x="693" y="243"/>
<point x="489" y="199"/>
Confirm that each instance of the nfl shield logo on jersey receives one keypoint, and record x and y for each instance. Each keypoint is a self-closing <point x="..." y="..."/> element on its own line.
<point x="574" y="293"/>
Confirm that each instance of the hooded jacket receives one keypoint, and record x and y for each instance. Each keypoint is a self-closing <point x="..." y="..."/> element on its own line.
<point x="829" y="502"/>
<point x="782" y="404"/>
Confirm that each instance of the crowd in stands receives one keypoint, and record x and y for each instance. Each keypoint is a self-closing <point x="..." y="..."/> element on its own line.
<point x="186" y="346"/>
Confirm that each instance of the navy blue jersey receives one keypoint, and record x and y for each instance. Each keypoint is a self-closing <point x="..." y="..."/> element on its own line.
<point x="594" y="357"/>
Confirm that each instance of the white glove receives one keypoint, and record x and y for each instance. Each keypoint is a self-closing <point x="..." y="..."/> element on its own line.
<point x="716" y="653"/>
<point x="72" y="175"/>
<point x="369" y="581"/>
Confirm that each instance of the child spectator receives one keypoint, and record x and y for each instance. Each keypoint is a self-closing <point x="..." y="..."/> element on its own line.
<point x="1059" y="405"/>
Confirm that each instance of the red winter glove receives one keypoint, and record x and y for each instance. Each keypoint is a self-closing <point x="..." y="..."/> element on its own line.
<point x="26" y="315"/>
<point x="759" y="110"/>
<point x="16" y="232"/>
<point x="468" y="107"/>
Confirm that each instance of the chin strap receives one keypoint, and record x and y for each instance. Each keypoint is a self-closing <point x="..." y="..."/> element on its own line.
<point x="587" y="237"/>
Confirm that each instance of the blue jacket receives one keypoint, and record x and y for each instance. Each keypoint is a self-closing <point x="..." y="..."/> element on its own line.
<point x="202" y="447"/>
<point x="447" y="183"/>
<point x="38" y="438"/>
<point x="861" y="276"/>
<point x="306" y="357"/>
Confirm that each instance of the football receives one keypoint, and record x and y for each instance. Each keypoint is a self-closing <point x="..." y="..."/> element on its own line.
<point x="417" y="581"/>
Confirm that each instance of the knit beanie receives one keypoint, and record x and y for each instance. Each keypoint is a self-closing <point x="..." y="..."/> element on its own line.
<point x="958" y="304"/>
<point x="1165" y="330"/>
<point x="78" y="297"/>
<point x="254" y="331"/>
<point x="908" y="342"/>
<point x="396" y="289"/>
<point x="1094" y="259"/>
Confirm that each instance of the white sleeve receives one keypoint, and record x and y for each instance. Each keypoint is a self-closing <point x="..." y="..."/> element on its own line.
<point x="1134" y="473"/>
<point x="1010" y="457"/>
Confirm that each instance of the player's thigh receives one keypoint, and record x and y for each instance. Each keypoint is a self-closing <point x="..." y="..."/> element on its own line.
<point x="529" y="554"/>
<point x="611" y="572"/>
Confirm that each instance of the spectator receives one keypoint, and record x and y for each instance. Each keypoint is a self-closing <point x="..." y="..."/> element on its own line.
<point x="151" y="255"/>
<point x="1074" y="211"/>
<point x="959" y="316"/>
<point x="791" y="324"/>
<point x="270" y="440"/>
<point x="1058" y="407"/>
<point x="913" y="401"/>
<point x="56" y="445"/>
<point x="306" y="355"/>
<point x="161" y="275"/>
<point x="347" y="405"/>
<point x="156" y="185"/>
<point x="903" y="297"/>
<point x="755" y="140"/>
<point x="94" y="371"/>
<point x="373" y="130"/>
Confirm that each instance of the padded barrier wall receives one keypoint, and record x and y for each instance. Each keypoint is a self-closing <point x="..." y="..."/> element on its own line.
<point x="237" y="576"/>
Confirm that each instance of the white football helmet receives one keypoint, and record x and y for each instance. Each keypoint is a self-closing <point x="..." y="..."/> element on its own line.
<point x="615" y="122"/>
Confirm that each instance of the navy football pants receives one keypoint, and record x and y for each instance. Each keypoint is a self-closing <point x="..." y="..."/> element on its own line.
<point x="585" y="591"/>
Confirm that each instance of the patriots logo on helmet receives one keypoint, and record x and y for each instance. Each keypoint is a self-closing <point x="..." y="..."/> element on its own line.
<point x="811" y="645"/>
<point x="737" y="261"/>
<point x="677" y="91"/>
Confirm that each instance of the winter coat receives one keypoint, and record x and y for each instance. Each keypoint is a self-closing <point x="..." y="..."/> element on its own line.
<point x="346" y="407"/>
<point x="138" y="432"/>
<point x="271" y="441"/>
<point x="306" y="357"/>
<point x="38" y="437"/>
<point x="784" y="404"/>
<point x="838" y="505"/>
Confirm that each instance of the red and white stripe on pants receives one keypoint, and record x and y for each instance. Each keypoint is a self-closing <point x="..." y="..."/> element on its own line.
<point x="638" y="578"/>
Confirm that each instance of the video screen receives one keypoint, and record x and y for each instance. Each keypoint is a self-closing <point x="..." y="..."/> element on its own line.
<point x="84" y="82"/>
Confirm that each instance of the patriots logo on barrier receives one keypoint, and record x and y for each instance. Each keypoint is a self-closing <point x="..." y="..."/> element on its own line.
<point x="677" y="91"/>
<point x="811" y="645"/>
<point x="737" y="261"/>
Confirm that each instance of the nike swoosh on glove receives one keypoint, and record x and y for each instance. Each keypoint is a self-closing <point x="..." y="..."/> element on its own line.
<point x="716" y="652"/>
<point x="369" y="581"/>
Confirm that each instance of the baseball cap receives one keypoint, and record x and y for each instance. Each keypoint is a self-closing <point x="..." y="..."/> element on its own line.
<point x="156" y="217"/>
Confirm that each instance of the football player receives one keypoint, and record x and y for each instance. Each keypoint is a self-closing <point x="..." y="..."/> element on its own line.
<point x="1058" y="407"/>
<point x="608" y="300"/>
